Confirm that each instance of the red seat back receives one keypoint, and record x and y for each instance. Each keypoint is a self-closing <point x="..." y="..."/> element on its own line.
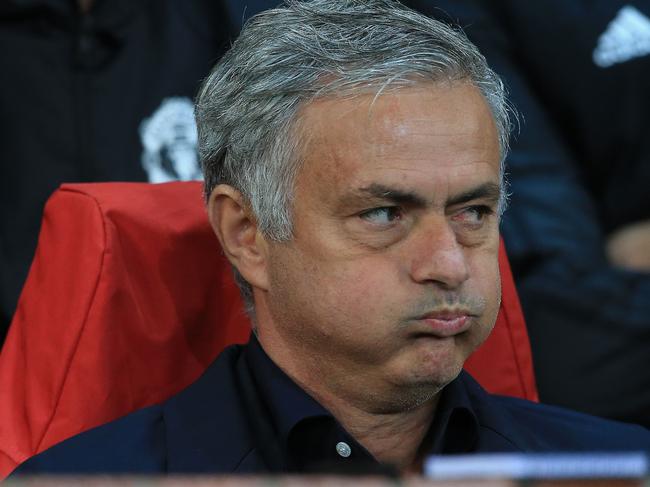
<point x="128" y="300"/>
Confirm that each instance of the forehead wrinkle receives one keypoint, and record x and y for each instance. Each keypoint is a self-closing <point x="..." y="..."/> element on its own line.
<point x="393" y="139"/>
<point x="465" y="122"/>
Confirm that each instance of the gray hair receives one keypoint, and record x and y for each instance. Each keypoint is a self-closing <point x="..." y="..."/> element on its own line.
<point x="284" y="58"/>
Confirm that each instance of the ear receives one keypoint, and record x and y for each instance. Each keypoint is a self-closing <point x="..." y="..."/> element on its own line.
<point x="233" y="222"/>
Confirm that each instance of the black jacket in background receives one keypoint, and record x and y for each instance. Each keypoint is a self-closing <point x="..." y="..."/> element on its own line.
<point x="579" y="168"/>
<point x="75" y="93"/>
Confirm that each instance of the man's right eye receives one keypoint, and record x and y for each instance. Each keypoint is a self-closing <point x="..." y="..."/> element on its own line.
<point x="384" y="216"/>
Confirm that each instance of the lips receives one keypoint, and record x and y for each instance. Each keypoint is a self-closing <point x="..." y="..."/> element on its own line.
<point x="446" y="324"/>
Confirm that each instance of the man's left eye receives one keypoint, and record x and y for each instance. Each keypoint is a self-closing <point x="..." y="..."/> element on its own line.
<point x="382" y="216"/>
<point x="474" y="215"/>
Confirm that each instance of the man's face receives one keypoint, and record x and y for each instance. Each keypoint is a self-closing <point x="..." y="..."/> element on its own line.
<point x="392" y="278"/>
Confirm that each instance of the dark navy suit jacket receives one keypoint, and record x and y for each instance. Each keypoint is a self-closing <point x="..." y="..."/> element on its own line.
<point x="214" y="427"/>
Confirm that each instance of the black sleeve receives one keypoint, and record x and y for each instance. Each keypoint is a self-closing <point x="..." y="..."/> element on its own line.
<point x="589" y="323"/>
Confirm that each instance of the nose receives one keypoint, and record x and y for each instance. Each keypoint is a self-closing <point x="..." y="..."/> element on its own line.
<point x="438" y="258"/>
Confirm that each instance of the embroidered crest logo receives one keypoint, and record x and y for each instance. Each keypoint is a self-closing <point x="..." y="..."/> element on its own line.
<point x="169" y="139"/>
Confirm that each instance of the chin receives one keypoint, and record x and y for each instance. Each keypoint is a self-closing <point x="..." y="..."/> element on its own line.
<point x="418" y="390"/>
<point x="416" y="382"/>
<point x="437" y="368"/>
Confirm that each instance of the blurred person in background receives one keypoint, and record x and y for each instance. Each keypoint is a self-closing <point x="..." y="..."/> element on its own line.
<point x="96" y="90"/>
<point x="578" y="227"/>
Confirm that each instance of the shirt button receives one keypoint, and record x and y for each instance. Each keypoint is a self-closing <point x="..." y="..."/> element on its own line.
<point x="343" y="449"/>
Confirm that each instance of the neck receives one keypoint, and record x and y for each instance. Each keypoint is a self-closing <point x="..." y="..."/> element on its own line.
<point x="390" y="423"/>
<point x="394" y="438"/>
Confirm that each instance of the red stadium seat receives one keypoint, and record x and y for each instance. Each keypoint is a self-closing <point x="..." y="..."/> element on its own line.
<point x="128" y="300"/>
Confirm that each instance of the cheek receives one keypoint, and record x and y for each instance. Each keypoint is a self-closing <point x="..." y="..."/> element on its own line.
<point x="361" y="291"/>
<point x="379" y="278"/>
<point x="345" y="298"/>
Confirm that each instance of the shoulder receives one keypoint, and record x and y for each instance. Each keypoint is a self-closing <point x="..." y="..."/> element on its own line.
<point x="539" y="427"/>
<point x="132" y="444"/>
<point x="550" y="427"/>
<point x="141" y="442"/>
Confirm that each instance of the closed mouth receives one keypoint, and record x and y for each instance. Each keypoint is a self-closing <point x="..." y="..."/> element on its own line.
<point x="445" y="323"/>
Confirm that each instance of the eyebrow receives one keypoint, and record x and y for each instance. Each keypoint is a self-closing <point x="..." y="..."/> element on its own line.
<point x="490" y="191"/>
<point x="393" y="195"/>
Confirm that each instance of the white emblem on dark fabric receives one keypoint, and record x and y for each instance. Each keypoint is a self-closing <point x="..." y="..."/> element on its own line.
<point x="627" y="37"/>
<point x="169" y="140"/>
